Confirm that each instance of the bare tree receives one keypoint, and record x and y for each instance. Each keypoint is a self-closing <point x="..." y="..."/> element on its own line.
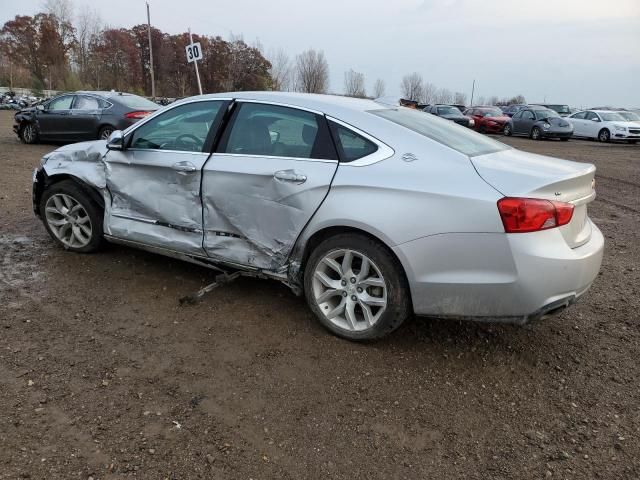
<point x="412" y="87"/>
<point x="354" y="84"/>
<point x="62" y="10"/>
<point x="460" y="98"/>
<point x="429" y="93"/>
<point x="379" y="88"/>
<point x="518" y="99"/>
<point x="494" y="100"/>
<point x="280" y="71"/>
<point x="88" y="26"/>
<point x="312" y="72"/>
<point x="443" y="95"/>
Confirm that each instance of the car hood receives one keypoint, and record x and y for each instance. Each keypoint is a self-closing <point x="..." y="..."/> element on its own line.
<point x="516" y="173"/>
<point x="500" y="119"/>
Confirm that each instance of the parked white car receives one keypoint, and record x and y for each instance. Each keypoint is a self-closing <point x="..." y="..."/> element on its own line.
<point x="604" y="125"/>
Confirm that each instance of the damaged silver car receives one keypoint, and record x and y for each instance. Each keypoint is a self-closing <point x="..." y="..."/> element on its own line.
<point x="373" y="212"/>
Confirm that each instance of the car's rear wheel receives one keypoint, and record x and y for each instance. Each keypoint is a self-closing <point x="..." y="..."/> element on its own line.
<point x="604" y="135"/>
<point x="356" y="288"/>
<point x="71" y="217"/>
<point x="507" y="130"/>
<point x="105" y="132"/>
<point x="535" y="133"/>
<point x="29" y="134"/>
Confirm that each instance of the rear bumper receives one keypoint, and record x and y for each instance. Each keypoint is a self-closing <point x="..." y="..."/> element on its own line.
<point x="498" y="277"/>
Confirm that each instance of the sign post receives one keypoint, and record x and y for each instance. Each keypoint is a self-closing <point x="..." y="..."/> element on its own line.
<point x="194" y="53"/>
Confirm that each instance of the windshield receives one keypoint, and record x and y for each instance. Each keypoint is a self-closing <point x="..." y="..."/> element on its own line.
<point x="629" y="116"/>
<point x="448" y="111"/>
<point x="492" y="113"/>
<point x="540" y="114"/>
<point x="611" y="117"/>
<point x="134" y="101"/>
<point x="559" y="108"/>
<point x="447" y="133"/>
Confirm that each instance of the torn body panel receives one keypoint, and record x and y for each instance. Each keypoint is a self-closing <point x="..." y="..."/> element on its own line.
<point x="256" y="207"/>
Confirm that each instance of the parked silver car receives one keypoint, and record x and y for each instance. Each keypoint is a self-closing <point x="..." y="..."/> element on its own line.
<point x="372" y="212"/>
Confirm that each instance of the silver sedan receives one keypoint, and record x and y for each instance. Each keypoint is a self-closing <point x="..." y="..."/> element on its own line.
<point x="373" y="212"/>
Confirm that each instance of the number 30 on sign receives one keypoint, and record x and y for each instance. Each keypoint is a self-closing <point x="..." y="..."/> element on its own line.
<point x="194" y="52"/>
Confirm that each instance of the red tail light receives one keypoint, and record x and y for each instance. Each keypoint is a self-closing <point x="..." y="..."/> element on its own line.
<point x="521" y="215"/>
<point x="136" y="115"/>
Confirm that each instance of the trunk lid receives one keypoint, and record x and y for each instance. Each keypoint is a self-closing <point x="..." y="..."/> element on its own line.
<point x="515" y="173"/>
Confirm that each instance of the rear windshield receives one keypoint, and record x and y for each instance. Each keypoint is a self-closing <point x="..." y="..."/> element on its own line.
<point x="447" y="133"/>
<point x="134" y="101"/>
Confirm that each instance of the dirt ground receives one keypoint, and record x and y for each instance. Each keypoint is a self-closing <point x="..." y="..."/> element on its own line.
<point x="103" y="375"/>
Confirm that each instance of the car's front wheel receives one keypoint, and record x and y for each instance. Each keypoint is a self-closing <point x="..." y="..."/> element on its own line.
<point x="356" y="287"/>
<point x="604" y="135"/>
<point x="71" y="217"/>
<point x="535" y="133"/>
<point x="29" y="134"/>
<point x="507" y="130"/>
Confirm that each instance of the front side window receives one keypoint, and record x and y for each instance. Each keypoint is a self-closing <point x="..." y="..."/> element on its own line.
<point x="592" y="116"/>
<point x="61" y="103"/>
<point x="183" y="128"/>
<point x="464" y="140"/>
<point x="517" y="115"/>
<point x="84" y="102"/>
<point x="528" y="115"/>
<point x="351" y="146"/>
<point x="274" y="130"/>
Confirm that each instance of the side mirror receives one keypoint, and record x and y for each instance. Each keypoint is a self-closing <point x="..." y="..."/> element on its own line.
<point x="595" y="119"/>
<point x="40" y="108"/>
<point x="116" y="140"/>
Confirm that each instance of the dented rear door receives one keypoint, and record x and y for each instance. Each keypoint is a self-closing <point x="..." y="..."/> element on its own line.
<point x="271" y="172"/>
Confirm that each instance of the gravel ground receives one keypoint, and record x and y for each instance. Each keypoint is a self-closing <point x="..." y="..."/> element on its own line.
<point x="103" y="375"/>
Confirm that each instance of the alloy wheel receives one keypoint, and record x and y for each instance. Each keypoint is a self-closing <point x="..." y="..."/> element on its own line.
<point x="68" y="220"/>
<point x="349" y="290"/>
<point x="603" y="136"/>
<point x="28" y="133"/>
<point x="535" y="134"/>
<point x="105" y="133"/>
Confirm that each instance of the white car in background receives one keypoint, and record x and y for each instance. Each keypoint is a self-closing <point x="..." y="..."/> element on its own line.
<point x="604" y="125"/>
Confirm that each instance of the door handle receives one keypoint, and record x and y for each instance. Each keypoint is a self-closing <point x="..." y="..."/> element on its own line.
<point x="290" y="176"/>
<point x="184" y="168"/>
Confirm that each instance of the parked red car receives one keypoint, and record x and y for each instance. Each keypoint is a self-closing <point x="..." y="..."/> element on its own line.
<point x="487" y="119"/>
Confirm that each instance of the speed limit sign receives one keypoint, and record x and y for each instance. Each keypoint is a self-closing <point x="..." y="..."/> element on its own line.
<point x="194" y="52"/>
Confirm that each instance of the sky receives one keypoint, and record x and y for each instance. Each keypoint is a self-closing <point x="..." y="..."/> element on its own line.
<point x="577" y="52"/>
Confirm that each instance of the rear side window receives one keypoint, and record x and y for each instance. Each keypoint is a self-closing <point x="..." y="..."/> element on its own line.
<point x="84" y="102"/>
<point x="462" y="139"/>
<point x="277" y="131"/>
<point x="351" y="146"/>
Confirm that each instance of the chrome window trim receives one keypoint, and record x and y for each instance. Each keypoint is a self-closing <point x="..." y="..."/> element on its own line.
<point x="206" y="154"/>
<point x="384" y="151"/>
<point x="163" y="110"/>
<point x="300" y="159"/>
<point x="278" y="104"/>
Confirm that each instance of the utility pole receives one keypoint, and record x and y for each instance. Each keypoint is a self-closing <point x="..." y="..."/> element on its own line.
<point x="153" y="81"/>
<point x="195" y="62"/>
<point x="473" y="89"/>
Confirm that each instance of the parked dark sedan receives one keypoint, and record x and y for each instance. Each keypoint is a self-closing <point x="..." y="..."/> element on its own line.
<point x="79" y="116"/>
<point x="537" y="123"/>
<point x="450" y="112"/>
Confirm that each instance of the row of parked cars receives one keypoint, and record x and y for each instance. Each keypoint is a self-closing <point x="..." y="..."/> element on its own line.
<point x="545" y="121"/>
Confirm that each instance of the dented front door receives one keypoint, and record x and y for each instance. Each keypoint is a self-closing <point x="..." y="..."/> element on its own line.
<point x="273" y="169"/>
<point x="155" y="182"/>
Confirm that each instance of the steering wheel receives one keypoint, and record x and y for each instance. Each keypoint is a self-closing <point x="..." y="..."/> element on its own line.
<point x="180" y="141"/>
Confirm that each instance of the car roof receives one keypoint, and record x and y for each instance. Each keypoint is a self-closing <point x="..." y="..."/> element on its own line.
<point x="105" y="94"/>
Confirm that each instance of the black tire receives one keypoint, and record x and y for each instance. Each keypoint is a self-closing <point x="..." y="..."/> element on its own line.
<point x="507" y="130"/>
<point x="536" y="134"/>
<point x="398" y="307"/>
<point x="604" y="135"/>
<point x="29" y="133"/>
<point x="93" y="210"/>
<point x="482" y="129"/>
<point x="105" y="132"/>
<point x="564" y="139"/>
